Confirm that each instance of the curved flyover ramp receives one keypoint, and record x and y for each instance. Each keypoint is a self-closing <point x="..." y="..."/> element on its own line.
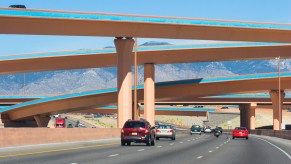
<point x="164" y="91"/>
<point x="168" y="54"/>
<point x="48" y="22"/>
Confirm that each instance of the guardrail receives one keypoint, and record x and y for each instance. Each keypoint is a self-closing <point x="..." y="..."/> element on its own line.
<point x="285" y="134"/>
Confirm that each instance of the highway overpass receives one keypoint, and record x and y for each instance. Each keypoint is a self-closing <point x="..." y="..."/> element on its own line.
<point x="124" y="27"/>
<point x="48" y="22"/>
<point x="165" y="91"/>
<point x="167" y="54"/>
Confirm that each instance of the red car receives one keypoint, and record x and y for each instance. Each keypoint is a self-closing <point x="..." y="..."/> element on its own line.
<point x="137" y="131"/>
<point x="240" y="132"/>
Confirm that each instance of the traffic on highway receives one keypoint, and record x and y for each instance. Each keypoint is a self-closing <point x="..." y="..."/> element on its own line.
<point x="163" y="149"/>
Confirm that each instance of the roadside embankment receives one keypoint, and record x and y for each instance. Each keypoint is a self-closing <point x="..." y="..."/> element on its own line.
<point x="31" y="136"/>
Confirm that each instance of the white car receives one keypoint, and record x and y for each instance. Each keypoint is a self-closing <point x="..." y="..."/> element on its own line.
<point x="207" y="130"/>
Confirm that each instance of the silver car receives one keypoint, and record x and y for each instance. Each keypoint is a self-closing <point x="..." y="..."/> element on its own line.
<point x="165" y="131"/>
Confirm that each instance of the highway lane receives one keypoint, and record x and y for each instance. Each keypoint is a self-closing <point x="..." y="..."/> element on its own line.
<point x="186" y="149"/>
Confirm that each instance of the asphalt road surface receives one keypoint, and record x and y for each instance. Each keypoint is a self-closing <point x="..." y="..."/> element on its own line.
<point x="204" y="149"/>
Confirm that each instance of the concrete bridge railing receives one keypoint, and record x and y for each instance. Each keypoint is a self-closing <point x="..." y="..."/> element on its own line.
<point x="285" y="134"/>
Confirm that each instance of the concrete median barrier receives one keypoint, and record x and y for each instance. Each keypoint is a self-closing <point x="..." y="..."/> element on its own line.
<point x="32" y="136"/>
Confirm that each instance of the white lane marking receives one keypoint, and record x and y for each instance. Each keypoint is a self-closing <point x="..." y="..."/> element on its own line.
<point x="73" y="163"/>
<point x="199" y="157"/>
<point x="113" y="155"/>
<point x="210" y="151"/>
<point x="159" y="146"/>
<point x="172" y="144"/>
<point x="141" y="150"/>
<point x="188" y="140"/>
<point x="217" y="147"/>
<point x="284" y="152"/>
<point x="181" y="142"/>
<point x="221" y="144"/>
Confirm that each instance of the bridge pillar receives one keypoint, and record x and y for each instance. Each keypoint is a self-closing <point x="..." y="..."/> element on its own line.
<point x="42" y="121"/>
<point x="243" y="115"/>
<point x="247" y="115"/>
<point x="277" y="111"/>
<point x="124" y="81"/>
<point x="251" y="111"/>
<point x="3" y="119"/>
<point x="149" y="93"/>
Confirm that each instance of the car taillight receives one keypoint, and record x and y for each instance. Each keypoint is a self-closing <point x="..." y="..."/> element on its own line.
<point x="172" y="130"/>
<point x="147" y="132"/>
<point x="158" y="130"/>
<point x="122" y="131"/>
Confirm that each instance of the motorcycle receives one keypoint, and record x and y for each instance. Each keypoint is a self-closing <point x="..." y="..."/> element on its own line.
<point x="217" y="134"/>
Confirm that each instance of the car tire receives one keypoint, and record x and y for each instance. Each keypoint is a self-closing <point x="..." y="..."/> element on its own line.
<point x="232" y="137"/>
<point x="191" y="133"/>
<point x="149" y="142"/>
<point x="122" y="143"/>
<point x="128" y="143"/>
<point x="153" y="143"/>
<point x="199" y="133"/>
<point x="173" y="138"/>
<point x="247" y="138"/>
<point x="157" y="138"/>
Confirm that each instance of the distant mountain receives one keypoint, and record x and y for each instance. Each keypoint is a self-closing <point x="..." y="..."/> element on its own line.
<point x="71" y="81"/>
<point x="154" y="43"/>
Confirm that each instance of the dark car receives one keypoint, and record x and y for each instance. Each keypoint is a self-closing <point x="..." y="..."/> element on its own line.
<point x="18" y="6"/>
<point x="70" y="126"/>
<point x="195" y="129"/>
<point x="138" y="131"/>
<point x="218" y="129"/>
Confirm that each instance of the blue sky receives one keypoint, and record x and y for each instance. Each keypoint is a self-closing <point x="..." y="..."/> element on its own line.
<point x="245" y="10"/>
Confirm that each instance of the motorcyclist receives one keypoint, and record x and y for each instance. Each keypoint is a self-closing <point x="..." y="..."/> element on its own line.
<point x="217" y="132"/>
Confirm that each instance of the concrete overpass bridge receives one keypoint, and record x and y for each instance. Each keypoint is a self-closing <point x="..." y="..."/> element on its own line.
<point x="165" y="91"/>
<point x="124" y="27"/>
<point x="168" y="54"/>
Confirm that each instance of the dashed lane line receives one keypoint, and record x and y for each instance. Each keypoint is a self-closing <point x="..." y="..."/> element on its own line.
<point x="141" y="150"/>
<point x="113" y="155"/>
<point x="210" y="151"/>
<point x="217" y="147"/>
<point x="199" y="157"/>
<point x="159" y="146"/>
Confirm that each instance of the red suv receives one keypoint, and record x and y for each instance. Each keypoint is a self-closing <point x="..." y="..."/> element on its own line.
<point x="138" y="131"/>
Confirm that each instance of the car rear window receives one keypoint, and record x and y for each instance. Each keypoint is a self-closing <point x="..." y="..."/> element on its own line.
<point x="134" y="125"/>
<point x="195" y="126"/>
<point x="164" y="127"/>
<point x="240" y="128"/>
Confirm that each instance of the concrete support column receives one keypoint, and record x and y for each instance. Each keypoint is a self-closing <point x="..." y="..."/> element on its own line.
<point x="149" y="93"/>
<point x="42" y="121"/>
<point x="252" y="116"/>
<point x="3" y="119"/>
<point x="277" y="111"/>
<point x="243" y="115"/>
<point x="124" y="82"/>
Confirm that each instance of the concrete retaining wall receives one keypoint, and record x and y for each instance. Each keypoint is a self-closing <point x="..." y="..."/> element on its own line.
<point x="285" y="134"/>
<point x="31" y="136"/>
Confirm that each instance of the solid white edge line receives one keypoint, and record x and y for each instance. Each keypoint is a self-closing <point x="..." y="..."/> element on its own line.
<point x="284" y="152"/>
